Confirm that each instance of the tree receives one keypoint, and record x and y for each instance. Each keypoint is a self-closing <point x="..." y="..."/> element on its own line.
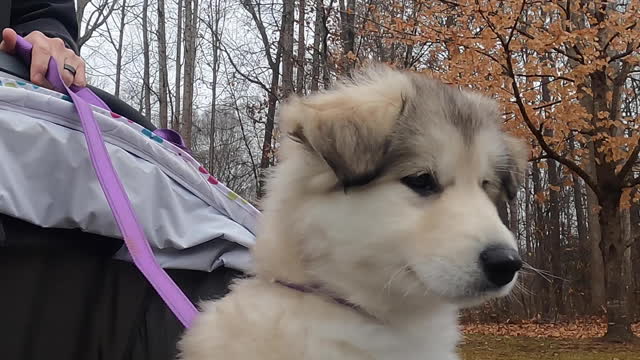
<point x="286" y="43"/>
<point x="163" y="69"/>
<point x="175" y="119"/>
<point x="213" y="23"/>
<point x="190" y="34"/>
<point x="348" y="33"/>
<point x="514" y="45"/>
<point x="102" y="10"/>
<point x="146" y="78"/>
<point x="272" y="90"/>
<point x="301" y="49"/>
<point x="319" y="26"/>
<point x="119" y="45"/>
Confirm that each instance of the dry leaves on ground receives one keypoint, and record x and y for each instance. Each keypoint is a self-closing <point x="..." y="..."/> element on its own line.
<point x="580" y="329"/>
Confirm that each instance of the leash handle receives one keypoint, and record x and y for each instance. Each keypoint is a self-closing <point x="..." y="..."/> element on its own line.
<point x="115" y="193"/>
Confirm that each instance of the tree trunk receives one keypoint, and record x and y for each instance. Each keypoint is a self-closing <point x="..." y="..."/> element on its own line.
<point x="146" y="77"/>
<point x="503" y="212"/>
<point x="513" y="219"/>
<point x="274" y="64"/>
<point x="528" y="222"/>
<point x="539" y="285"/>
<point x="301" y="49"/>
<point x="191" y="17"/>
<point x="554" y="235"/>
<point x="613" y="252"/>
<point x="326" y="76"/>
<point x="214" y="84"/>
<point x="318" y="31"/>
<point x="175" y="119"/>
<point x="286" y="42"/>
<point x="348" y="33"/>
<point x="123" y="17"/>
<point x="164" y="71"/>
<point x="583" y="241"/>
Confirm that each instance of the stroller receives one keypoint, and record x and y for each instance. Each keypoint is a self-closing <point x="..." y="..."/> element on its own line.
<point x="70" y="288"/>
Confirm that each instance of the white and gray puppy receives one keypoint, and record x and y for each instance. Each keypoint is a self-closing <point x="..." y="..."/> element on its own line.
<point x="379" y="224"/>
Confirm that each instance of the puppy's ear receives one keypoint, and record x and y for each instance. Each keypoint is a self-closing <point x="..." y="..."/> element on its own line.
<point x="515" y="165"/>
<point x="349" y="128"/>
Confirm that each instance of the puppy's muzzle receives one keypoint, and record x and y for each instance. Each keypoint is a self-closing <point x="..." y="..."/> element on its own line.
<point x="500" y="264"/>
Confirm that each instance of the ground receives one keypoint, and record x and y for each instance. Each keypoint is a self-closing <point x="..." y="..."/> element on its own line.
<point x="491" y="347"/>
<point x="569" y="341"/>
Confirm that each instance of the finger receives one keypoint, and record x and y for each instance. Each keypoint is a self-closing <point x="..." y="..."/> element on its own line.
<point x="70" y="58"/>
<point x="81" y="73"/>
<point x="39" y="64"/>
<point x="63" y="56"/>
<point x="9" y="38"/>
<point x="67" y="76"/>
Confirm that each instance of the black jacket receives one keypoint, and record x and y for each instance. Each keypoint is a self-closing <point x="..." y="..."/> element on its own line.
<point x="54" y="18"/>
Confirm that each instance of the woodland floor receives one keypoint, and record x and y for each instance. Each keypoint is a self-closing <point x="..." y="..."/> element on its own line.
<point x="576" y="341"/>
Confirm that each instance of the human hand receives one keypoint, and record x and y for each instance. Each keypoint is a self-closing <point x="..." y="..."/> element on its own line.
<point x="44" y="48"/>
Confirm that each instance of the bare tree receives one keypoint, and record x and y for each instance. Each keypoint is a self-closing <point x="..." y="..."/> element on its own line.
<point x="190" y="34"/>
<point x="214" y="24"/>
<point x="301" y="49"/>
<point x="318" y="31"/>
<point x="348" y="32"/>
<point x="119" y="45"/>
<point x="286" y="42"/>
<point x="163" y="69"/>
<point x="175" y="119"/>
<point x="101" y="13"/>
<point x="146" y="78"/>
<point x="274" y="65"/>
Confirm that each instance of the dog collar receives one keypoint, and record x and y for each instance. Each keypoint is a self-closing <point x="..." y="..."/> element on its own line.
<point x="317" y="290"/>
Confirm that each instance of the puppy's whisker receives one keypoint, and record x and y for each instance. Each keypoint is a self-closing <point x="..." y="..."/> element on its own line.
<point x="547" y="275"/>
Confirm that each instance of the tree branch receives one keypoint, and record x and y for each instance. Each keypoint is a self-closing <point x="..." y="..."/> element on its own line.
<point x="558" y="77"/>
<point x="538" y="133"/>
<point x="540" y="107"/>
<point x="243" y="75"/>
<point x="515" y="24"/>
<point x="556" y="49"/>
<point x="263" y="34"/>
<point x="631" y="161"/>
<point x="628" y="52"/>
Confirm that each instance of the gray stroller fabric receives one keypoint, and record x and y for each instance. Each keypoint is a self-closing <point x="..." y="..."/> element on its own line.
<point x="46" y="178"/>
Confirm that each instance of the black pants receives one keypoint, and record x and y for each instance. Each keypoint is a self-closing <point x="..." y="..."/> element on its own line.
<point x="63" y="297"/>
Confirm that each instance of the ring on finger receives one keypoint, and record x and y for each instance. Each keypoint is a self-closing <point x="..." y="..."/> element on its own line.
<point x="70" y="69"/>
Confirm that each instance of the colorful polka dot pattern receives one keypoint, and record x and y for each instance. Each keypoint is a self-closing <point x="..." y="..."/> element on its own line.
<point x="148" y="133"/>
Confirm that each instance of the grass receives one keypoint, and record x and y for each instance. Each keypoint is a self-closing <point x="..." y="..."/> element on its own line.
<point x="490" y="347"/>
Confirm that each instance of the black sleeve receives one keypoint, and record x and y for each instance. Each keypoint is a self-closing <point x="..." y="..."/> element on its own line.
<point x="54" y="18"/>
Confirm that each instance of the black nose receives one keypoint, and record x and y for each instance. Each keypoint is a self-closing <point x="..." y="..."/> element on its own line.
<point x="500" y="264"/>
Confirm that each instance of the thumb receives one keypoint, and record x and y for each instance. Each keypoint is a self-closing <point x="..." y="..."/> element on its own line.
<point x="9" y="38"/>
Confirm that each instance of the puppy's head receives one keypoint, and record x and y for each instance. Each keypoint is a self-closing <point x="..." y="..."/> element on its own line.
<point x="387" y="189"/>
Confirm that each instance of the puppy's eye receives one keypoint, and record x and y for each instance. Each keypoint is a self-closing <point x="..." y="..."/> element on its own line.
<point x="485" y="184"/>
<point x="423" y="184"/>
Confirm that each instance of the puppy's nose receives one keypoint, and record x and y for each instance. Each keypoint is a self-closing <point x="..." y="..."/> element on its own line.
<point x="500" y="264"/>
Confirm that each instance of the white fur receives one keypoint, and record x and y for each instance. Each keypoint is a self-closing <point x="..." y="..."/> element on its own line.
<point x="410" y="261"/>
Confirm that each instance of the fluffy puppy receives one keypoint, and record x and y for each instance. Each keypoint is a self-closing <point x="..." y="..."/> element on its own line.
<point x="379" y="224"/>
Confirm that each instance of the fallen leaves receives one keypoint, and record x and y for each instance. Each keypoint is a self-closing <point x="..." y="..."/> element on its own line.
<point x="579" y="329"/>
<point x="489" y="347"/>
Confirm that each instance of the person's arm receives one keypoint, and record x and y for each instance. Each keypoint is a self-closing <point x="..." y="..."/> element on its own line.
<point x="54" y="18"/>
<point x="52" y="29"/>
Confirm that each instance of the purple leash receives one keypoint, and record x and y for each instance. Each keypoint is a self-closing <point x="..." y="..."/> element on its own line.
<point x="119" y="203"/>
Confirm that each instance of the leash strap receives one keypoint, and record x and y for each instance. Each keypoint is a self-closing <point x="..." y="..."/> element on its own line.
<point x="113" y="189"/>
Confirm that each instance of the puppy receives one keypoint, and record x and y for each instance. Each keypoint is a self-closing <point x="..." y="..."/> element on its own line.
<point x="379" y="224"/>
